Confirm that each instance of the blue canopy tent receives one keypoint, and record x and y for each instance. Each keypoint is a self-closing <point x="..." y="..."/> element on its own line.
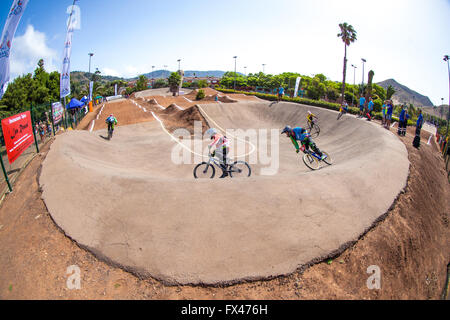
<point x="84" y="99"/>
<point x="74" y="104"/>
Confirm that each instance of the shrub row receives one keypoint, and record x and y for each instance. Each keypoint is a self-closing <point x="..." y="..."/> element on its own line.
<point x="310" y="102"/>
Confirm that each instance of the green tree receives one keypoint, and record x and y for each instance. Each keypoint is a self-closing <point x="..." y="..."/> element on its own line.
<point x="390" y="92"/>
<point x="348" y="36"/>
<point x="141" y="83"/>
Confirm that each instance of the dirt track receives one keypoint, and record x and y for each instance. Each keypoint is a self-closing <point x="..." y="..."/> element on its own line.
<point x="410" y="247"/>
<point x="148" y="215"/>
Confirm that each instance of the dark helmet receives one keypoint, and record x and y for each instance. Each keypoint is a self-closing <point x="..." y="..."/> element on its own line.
<point x="287" y="129"/>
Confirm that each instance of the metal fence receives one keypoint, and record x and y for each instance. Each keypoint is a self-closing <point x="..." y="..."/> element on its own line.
<point x="44" y="129"/>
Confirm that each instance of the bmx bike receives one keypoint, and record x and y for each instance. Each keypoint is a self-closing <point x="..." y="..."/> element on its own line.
<point x="110" y="133"/>
<point x="313" y="161"/>
<point x="342" y="111"/>
<point x="206" y="170"/>
<point x="313" y="129"/>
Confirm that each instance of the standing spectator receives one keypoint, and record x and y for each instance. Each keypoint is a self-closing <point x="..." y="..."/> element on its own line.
<point x="362" y="103"/>
<point x="383" y="110"/>
<point x="280" y="93"/>
<point x="390" y="110"/>
<point x="42" y="131"/>
<point x="419" y="122"/>
<point x="403" y="121"/>
<point x="370" y="109"/>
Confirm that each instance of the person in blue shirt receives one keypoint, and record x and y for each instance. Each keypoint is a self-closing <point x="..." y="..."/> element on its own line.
<point x="403" y="121"/>
<point x="390" y="110"/>
<point x="370" y="109"/>
<point x="362" y="103"/>
<point x="302" y="135"/>
<point x="280" y="93"/>
<point x="419" y="123"/>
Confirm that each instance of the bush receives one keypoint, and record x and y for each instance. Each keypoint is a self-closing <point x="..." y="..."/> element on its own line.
<point x="200" y="95"/>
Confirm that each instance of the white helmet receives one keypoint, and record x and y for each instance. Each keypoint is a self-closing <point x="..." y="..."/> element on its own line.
<point x="211" y="132"/>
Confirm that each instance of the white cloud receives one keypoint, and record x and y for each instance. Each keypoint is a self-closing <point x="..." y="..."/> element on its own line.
<point x="111" y="72"/>
<point x="28" y="49"/>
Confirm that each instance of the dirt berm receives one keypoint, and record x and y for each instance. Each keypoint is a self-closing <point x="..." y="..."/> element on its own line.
<point x="128" y="201"/>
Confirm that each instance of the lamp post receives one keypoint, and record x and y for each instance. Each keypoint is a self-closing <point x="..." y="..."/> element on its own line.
<point x="362" y="88"/>
<point x="153" y="77"/>
<point x="264" y="67"/>
<point x="179" y="64"/>
<point x="90" y="56"/>
<point x="354" y="79"/>
<point x="446" y="59"/>
<point x="245" y="68"/>
<point x="235" y="59"/>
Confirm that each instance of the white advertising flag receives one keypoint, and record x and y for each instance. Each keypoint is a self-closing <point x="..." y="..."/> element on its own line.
<point x="12" y="21"/>
<point x="115" y="90"/>
<point x="297" y="84"/>
<point x="91" y="90"/>
<point x="65" y="72"/>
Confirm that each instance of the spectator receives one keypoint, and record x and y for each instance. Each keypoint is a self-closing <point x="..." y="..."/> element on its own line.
<point x="383" y="110"/>
<point x="403" y="121"/>
<point x="41" y="131"/>
<point x="370" y="109"/>
<point x="419" y="123"/>
<point x="362" y="103"/>
<point x="389" y="112"/>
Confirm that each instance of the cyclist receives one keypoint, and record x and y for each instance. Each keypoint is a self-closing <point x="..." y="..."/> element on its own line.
<point x="222" y="145"/>
<point x="310" y="118"/>
<point x="300" y="134"/>
<point x="111" y="121"/>
<point x="343" y="109"/>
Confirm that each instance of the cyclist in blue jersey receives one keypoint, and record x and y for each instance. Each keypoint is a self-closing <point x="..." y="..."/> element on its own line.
<point x="302" y="135"/>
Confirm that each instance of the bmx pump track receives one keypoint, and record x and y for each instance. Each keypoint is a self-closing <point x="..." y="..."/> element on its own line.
<point x="127" y="202"/>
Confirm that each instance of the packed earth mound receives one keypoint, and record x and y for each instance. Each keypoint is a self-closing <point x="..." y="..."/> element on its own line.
<point x="142" y="209"/>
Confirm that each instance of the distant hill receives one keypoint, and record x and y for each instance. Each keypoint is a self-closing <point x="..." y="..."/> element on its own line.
<point x="405" y="95"/>
<point x="440" y="111"/>
<point x="84" y="77"/>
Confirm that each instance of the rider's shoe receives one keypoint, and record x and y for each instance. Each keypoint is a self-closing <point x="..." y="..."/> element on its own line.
<point x="224" y="175"/>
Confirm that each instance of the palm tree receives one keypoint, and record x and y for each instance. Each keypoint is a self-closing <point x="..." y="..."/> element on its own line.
<point x="390" y="91"/>
<point x="369" y="85"/>
<point x="348" y="36"/>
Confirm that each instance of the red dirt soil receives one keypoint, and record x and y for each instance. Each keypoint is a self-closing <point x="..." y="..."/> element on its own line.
<point x="125" y="112"/>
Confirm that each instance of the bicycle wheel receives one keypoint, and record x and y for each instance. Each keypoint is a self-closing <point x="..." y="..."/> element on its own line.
<point x="315" y="131"/>
<point x="311" y="162"/>
<point x="328" y="160"/>
<point x="204" y="171"/>
<point x="240" y="169"/>
<point x="340" y="115"/>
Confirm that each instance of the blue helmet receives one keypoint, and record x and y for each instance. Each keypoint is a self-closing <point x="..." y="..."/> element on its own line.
<point x="287" y="129"/>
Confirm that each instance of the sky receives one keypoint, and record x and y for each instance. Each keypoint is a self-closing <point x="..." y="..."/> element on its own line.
<point x="401" y="39"/>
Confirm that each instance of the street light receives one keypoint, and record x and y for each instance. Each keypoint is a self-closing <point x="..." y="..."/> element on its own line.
<point x="354" y="79"/>
<point x="264" y="67"/>
<point x="179" y="64"/>
<point x="235" y="59"/>
<point x="153" y="76"/>
<point x="245" y="68"/>
<point x="362" y="88"/>
<point x="90" y="56"/>
<point x="446" y="59"/>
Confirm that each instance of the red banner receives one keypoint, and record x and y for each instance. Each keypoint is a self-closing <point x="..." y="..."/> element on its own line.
<point x="18" y="134"/>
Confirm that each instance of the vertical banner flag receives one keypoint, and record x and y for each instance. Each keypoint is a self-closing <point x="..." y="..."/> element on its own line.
<point x="57" y="111"/>
<point x="65" y="72"/>
<point x="115" y="90"/>
<point x="12" y="21"/>
<point x="18" y="134"/>
<point x="297" y="84"/>
<point x="91" y="90"/>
